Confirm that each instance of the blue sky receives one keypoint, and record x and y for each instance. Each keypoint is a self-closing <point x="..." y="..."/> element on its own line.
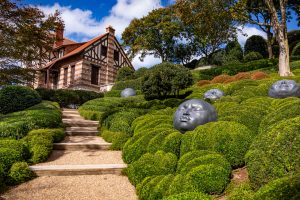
<point x="87" y="19"/>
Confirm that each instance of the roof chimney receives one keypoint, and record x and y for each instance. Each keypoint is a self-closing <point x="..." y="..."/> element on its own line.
<point x="110" y="30"/>
<point x="59" y="35"/>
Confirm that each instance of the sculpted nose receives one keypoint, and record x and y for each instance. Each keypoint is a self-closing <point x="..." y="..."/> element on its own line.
<point x="186" y="112"/>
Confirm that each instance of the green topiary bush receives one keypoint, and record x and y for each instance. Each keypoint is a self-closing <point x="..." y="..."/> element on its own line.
<point x="284" y="109"/>
<point x="251" y="56"/>
<point x="16" y="145"/>
<point x="286" y="188"/>
<point x="39" y="153"/>
<point x="256" y="43"/>
<point x="2" y="177"/>
<point x="160" y="163"/>
<point x="8" y="157"/>
<point x="274" y="153"/>
<point x="241" y="192"/>
<point x="19" y="173"/>
<point x="196" y="158"/>
<point x="209" y="178"/>
<point x="189" y="196"/>
<point x="230" y="139"/>
<point x="16" y="98"/>
<point x="18" y="124"/>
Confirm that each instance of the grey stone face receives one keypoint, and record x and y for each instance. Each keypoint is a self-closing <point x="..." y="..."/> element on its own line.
<point x="284" y="88"/>
<point x="127" y="92"/>
<point x="213" y="94"/>
<point x="193" y="113"/>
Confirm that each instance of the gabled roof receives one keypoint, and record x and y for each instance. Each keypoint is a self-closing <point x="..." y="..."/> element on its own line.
<point x="76" y="51"/>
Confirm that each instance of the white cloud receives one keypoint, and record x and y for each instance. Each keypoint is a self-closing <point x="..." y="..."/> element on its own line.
<point x="249" y="31"/>
<point x="149" y="61"/>
<point x="81" y="23"/>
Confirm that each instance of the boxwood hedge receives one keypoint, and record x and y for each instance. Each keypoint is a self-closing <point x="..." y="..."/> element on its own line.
<point x="230" y="139"/>
<point x="286" y="188"/>
<point x="275" y="153"/>
<point x="16" y="98"/>
<point x="160" y="163"/>
<point x="189" y="196"/>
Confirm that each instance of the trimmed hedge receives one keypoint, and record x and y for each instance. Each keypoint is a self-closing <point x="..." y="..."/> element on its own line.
<point x="274" y="153"/>
<point x="241" y="192"/>
<point x="286" y="188"/>
<point x="16" y="145"/>
<point x="16" y="98"/>
<point x="19" y="173"/>
<point x="230" y="139"/>
<point x="189" y="196"/>
<point x="160" y="163"/>
<point x="40" y="143"/>
<point x="8" y="157"/>
<point x="233" y="69"/>
<point x="18" y="124"/>
<point x="66" y="98"/>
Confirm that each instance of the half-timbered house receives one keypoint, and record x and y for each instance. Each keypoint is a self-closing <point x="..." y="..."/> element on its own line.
<point x="91" y="65"/>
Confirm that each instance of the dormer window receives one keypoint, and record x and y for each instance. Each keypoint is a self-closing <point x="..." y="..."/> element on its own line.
<point x="60" y="53"/>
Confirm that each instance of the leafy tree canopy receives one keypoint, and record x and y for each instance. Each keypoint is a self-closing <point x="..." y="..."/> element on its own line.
<point x="24" y="38"/>
<point x="256" y="43"/>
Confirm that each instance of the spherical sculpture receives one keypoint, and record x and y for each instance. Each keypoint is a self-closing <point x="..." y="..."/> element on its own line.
<point x="213" y="94"/>
<point x="193" y="113"/>
<point x="284" y="88"/>
<point x="127" y="92"/>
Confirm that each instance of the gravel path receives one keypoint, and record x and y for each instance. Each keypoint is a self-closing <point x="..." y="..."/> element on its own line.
<point x="93" y="187"/>
<point x="84" y="157"/>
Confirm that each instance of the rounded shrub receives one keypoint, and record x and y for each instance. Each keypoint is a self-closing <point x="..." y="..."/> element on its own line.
<point x="221" y="78"/>
<point x="209" y="178"/>
<point x="203" y="82"/>
<point x="160" y="163"/>
<point x="16" y="98"/>
<point x="57" y="134"/>
<point x="256" y="43"/>
<point x="274" y="153"/>
<point x="286" y="188"/>
<point x="154" y="187"/>
<point x="242" y="76"/>
<point x="242" y="192"/>
<point x="189" y="196"/>
<point x="8" y="157"/>
<point x="230" y="139"/>
<point x="251" y="56"/>
<point x="16" y="145"/>
<point x="202" y="157"/>
<point x="2" y="177"/>
<point x="286" y="110"/>
<point x="39" y="153"/>
<point x="19" y="173"/>
<point x="125" y="73"/>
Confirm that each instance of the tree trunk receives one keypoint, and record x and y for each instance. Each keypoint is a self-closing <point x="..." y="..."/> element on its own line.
<point x="284" y="60"/>
<point x="270" y="41"/>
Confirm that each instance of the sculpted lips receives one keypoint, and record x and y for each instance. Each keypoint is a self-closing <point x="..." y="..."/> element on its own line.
<point x="185" y="118"/>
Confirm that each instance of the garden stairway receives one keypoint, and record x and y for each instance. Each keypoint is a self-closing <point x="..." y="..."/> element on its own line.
<point x="81" y="152"/>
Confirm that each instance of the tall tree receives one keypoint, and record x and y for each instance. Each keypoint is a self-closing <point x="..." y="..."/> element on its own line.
<point x="209" y="23"/>
<point x="155" y="34"/>
<point x="278" y="20"/>
<point x="25" y="38"/>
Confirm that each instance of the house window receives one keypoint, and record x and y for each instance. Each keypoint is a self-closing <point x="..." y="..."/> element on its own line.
<point x="95" y="75"/>
<point x="72" y="74"/>
<point x="45" y="77"/>
<point x="60" y="53"/>
<point x="103" y="51"/>
<point x="65" y="76"/>
<point x="116" y="55"/>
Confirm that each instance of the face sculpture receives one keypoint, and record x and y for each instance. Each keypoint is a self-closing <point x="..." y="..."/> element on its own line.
<point x="213" y="94"/>
<point x="193" y="113"/>
<point x="127" y="92"/>
<point x="284" y="88"/>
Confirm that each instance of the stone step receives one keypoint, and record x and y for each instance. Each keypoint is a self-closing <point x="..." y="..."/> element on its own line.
<point x="81" y="133"/>
<point x="73" y="170"/>
<point x="80" y="123"/>
<point x="81" y="146"/>
<point x="72" y="116"/>
<point x="84" y="139"/>
<point x="86" y="157"/>
<point x="78" y="128"/>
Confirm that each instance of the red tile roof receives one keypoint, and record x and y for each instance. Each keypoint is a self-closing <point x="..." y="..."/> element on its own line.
<point x="75" y="51"/>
